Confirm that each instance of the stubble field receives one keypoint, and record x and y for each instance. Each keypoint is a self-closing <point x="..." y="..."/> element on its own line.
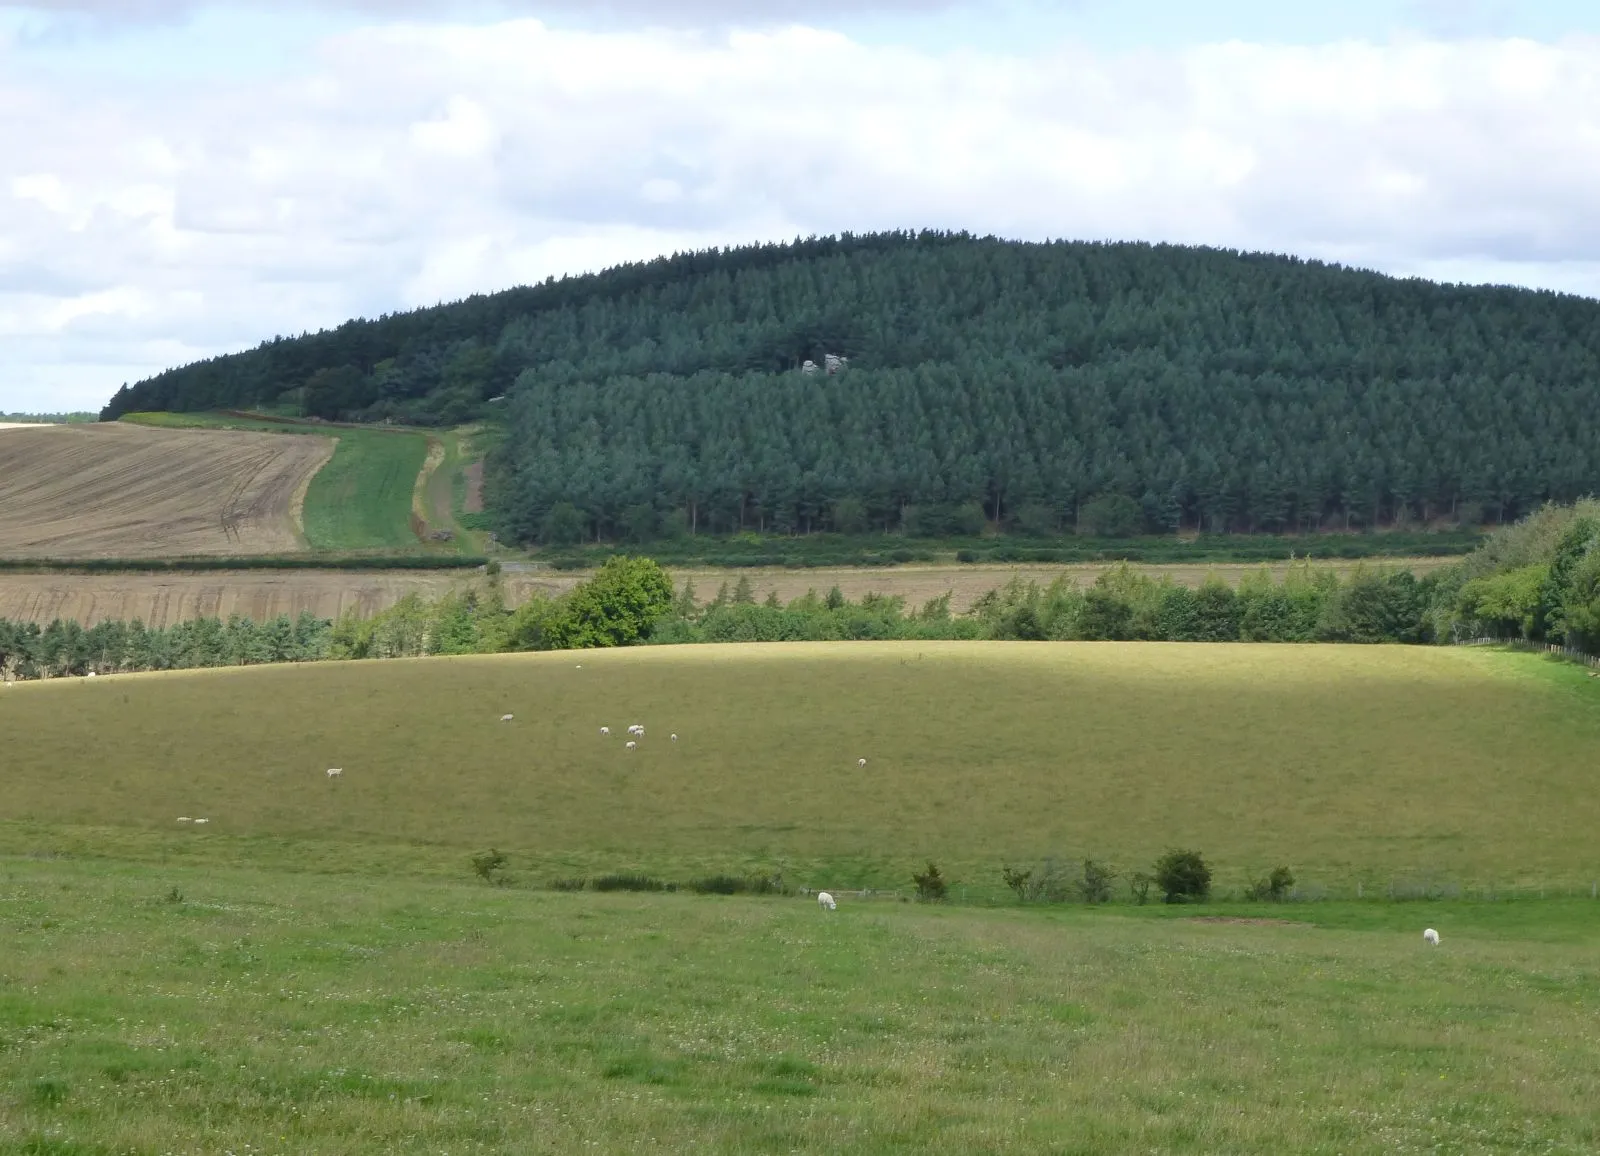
<point x="162" y="599"/>
<point x="114" y="490"/>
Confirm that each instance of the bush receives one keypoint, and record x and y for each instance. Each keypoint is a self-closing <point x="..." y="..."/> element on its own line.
<point x="718" y="885"/>
<point x="1183" y="877"/>
<point x="574" y="884"/>
<point x="1095" y="886"/>
<point x="1274" y="888"/>
<point x="490" y="867"/>
<point x="1139" y="884"/>
<point x="1017" y="881"/>
<point x="629" y="883"/>
<point x="734" y="885"/>
<point x="931" y="886"/>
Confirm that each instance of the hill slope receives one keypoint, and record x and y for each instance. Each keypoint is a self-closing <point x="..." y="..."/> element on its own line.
<point x="986" y="379"/>
<point x="1347" y="763"/>
<point x="92" y="491"/>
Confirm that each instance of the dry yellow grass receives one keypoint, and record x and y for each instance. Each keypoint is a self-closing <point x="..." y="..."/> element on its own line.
<point x="114" y="490"/>
<point x="163" y="599"/>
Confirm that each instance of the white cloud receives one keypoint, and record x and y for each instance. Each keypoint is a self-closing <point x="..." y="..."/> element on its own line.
<point x="409" y="163"/>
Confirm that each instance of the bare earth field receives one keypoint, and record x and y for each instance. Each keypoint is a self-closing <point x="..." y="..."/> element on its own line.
<point x="115" y="490"/>
<point x="163" y="599"/>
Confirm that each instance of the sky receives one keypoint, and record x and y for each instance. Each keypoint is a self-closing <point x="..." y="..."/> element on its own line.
<point x="182" y="178"/>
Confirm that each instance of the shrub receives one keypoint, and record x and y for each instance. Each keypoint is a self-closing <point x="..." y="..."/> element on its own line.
<point x="1095" y="886"/>
<point x="1139" y="883"/>
<point x="1017" y="881"/>
<point x="1274" y="887"/>
<point x="931" y="886"/>
<point x="1183" y="877"/>
<point x="628" y="883"/>
<point x="574" y="884"/>
<point x="174" y="896"/>
<point x="719" y="885"/>
<point x="490" y="867"/>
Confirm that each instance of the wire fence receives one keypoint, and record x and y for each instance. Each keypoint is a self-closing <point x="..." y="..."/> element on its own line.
<point x="1571" y="654"/>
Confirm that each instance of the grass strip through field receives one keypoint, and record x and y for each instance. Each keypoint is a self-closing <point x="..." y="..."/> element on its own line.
<point x="361" y="499"/>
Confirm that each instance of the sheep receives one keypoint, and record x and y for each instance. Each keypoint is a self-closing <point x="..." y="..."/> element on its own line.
<point x="198" y="821"/>
<point x="335" y="772"/>
<point x="631" y="744"/>
<point x="605" y="730"/>
<point x="1430" y="937"/>
<point x="673" y="737"/>
<point x="507" y="717"/>
<point x="861" y="762"/>
<point x="636" y="729"/>
<point x="184" y="819"/>
<point x="825" y="901"/>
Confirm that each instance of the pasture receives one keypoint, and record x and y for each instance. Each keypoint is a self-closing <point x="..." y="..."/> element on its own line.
<point x="316" y="969"/>
<point x="97" y="491"/>
<point x="1352" y="765"/>
<point x="172" y="1009"/>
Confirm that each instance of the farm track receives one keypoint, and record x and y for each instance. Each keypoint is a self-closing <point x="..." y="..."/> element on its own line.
<point x="162" y="599"/>
<point x="113" y="490"/>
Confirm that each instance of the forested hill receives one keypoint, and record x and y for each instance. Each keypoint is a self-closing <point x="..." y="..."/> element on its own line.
<point x="985" y="378"/>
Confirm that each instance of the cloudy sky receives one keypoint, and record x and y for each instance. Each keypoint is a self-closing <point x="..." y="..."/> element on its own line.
<point x="185" y="177"/>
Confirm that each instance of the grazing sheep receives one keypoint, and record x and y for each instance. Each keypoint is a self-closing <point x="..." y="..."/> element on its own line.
<point x="636" y="729"/>
<point x="825" y="901"/>
<point x="91" y="674"/>
<point x="631" y="744"/>
<point x="184" y="819"/>
<point x="605" y="730"/>
<point x="674" y="738"/>
<point x="861" y="762"/>
<point x="335" y="772"/>
<point x="202" y="820"/>
<point x="1430" y="937"/>
<point x="507" y="717"/>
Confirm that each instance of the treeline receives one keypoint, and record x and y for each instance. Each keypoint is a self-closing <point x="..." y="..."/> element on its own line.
<point x="1110" y="389"/>
<point x="48" y="418"/>
<point x="66" y="648"/>
<point x="1537" y="581"/>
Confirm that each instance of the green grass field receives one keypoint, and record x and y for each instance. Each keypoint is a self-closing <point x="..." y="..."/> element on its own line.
<point x="317" y="970"/>
<point x="361" y="500"/>
<point x="173" y="1009"/>
<point x="1350" y="764"/>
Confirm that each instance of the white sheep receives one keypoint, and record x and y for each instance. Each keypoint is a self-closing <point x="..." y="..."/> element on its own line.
<point x="202" y="821"/>
<point x="605" y="730"/>
<point x="1430" y="937"/>
<point x="507" y="717"/>
<point x="184" y="819"/>
<point x="674" y="738"/>
<point x="636" y="729"/>
<point x="861" y="762"/>
<point x="825" y="901"/>
<point x="335" y="772"/>
<point x="631" y="744"/>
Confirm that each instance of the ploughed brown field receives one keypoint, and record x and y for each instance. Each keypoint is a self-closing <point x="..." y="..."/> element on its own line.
<point x="124" y="491"/>
<point x="162" y="599"/>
